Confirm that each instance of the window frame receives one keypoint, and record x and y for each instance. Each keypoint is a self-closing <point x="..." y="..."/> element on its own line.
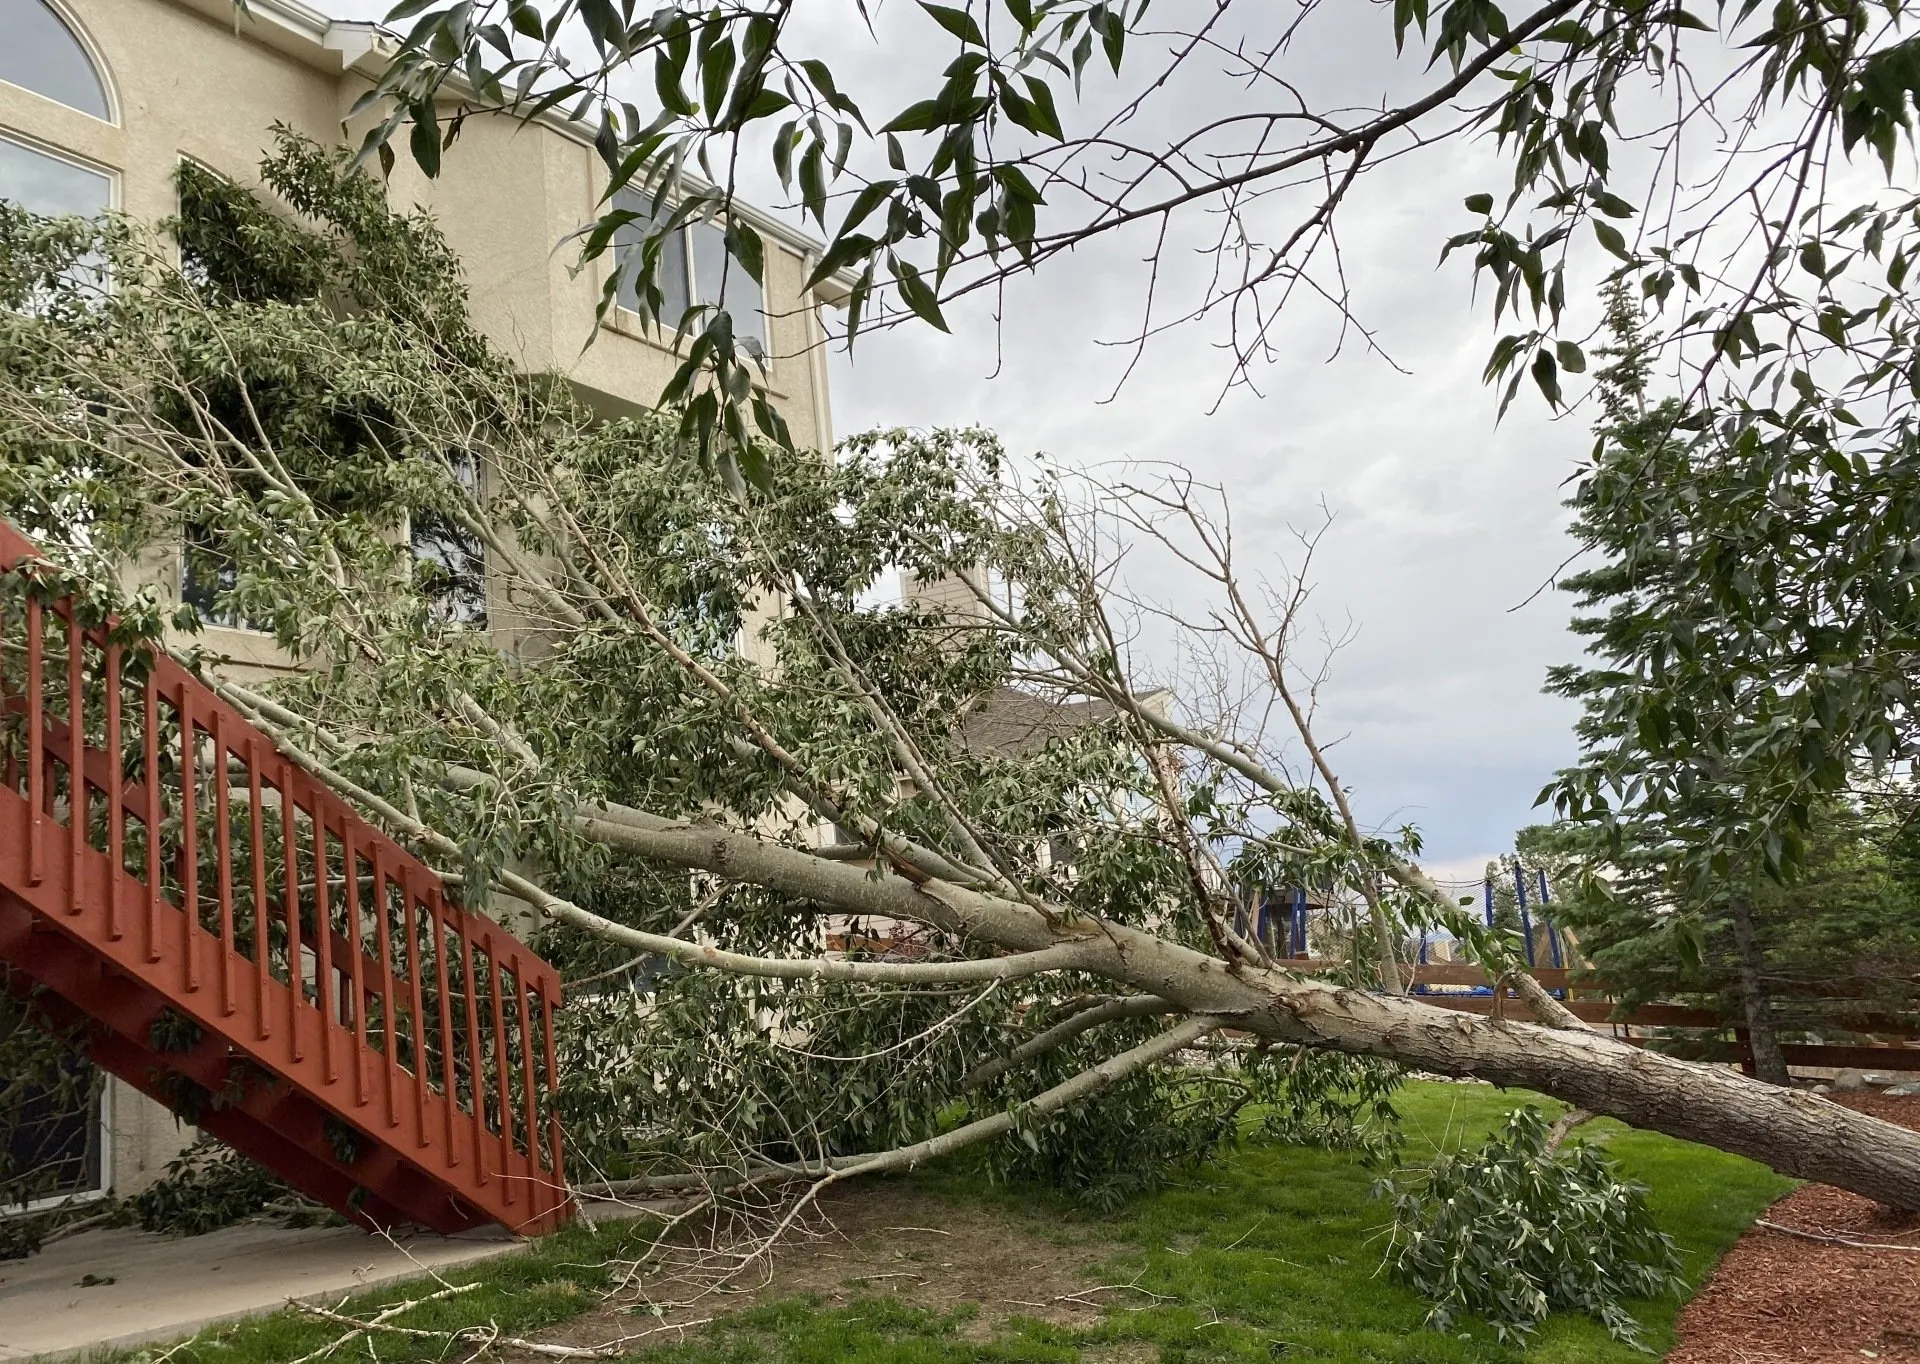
<point x="55" y="152"/>
<point x="90" y="49"/>
<point x="660" y="329"/>
<point x="103" y="1117"/>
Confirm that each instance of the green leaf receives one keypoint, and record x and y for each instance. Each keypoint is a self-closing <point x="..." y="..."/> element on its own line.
<point x="526" y="22"/>
<point x="957" y="22"/>
<point x="668" y="68"/>
<point x="1479" y="203"/>
<point x="716" y="70"/>
<point x="424" y="138"/>
<point x="1114" y="37"/>
<point x="915" y="292"/>
<point x="925" y="116"/>
<point x="1546" y="376"/>
<point x="813" y="183"/>
<point x="1045" y="113"/>
<point x="1610" y="238"/>
<point x="747" y="248"/>
<point x="1570" y="356"/>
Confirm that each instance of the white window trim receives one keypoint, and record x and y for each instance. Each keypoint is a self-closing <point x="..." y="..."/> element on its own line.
<point x="658" y="333"/>
<point x="111" y="174"/>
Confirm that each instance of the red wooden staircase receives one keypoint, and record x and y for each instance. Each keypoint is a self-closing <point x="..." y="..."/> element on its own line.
<point x="238" y="943"/>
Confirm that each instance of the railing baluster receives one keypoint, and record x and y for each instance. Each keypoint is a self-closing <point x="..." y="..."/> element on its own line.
<point x="435" y="916"/>
<point x="190" y="838"/>
<point x="323" y="941"/>
<point x="529" y="1097"/>
<point x="476" y="1068"/>
<point x="257" y="857"/>
<point x="116" y="793"/>
<point x="384" y="935"/>
<point x="500" y="1072"/>
<point x="223" y="852"/>
<point x="296" y="972"/>
<point x="77" y="803"/>
<point x="36" y="744"/>
<point x="555" y="1152"/>
<point x="350" y="865"/>
<point x="410" y="920"/>
<point x="150" y="759"/>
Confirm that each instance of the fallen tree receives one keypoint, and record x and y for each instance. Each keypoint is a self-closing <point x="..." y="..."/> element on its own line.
<point x="682" y="727"/>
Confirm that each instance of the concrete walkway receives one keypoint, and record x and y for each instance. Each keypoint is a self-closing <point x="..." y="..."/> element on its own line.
<point x="117" y="1287"/>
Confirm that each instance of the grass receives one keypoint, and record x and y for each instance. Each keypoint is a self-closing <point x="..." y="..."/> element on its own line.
<point x="1272" y="1253"/>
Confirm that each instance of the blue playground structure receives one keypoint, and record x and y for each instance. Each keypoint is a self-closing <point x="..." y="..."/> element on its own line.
<point x="1280" y="921"/>
<point x="1529" y="939"/>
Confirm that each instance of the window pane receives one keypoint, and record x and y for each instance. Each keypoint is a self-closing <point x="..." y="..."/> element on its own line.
<point x="48" y="185"/>
<point x="41" y="54"/>
<point x="208" y="575"/>
<point x="453" y="561"/>
<point x="714" y="272"/>
<point x="670" y="278"/>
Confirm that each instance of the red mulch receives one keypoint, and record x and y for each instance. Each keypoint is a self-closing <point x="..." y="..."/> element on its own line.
<point x="1776" y="1297"/>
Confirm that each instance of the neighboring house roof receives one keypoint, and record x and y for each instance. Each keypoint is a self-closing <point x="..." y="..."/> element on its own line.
<point x="1018" y="724"/>
<point x="338" y="46"/>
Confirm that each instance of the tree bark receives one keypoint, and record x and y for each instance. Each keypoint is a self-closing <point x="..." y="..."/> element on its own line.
<point x="1797" y="1133"/>
<point x="1769" y="1062"/>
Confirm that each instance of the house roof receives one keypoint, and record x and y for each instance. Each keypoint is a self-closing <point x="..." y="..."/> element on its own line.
<point x="1018" y="724"/>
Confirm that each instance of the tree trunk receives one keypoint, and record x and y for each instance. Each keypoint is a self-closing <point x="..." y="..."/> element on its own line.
<point x="1797" y="1133"/>
<point x="1769" y="1062"/>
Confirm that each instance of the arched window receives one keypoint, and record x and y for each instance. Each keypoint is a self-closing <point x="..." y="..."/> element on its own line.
<point x="41" y="54"/>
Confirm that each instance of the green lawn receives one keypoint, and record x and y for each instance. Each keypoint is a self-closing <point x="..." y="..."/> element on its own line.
<point x="1271" y="1253"/>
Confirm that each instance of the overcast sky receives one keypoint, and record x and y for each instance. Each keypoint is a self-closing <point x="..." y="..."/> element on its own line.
<point x="1446" y="522"/>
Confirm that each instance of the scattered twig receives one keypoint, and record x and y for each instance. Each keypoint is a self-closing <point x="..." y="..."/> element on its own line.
<point x="375" y="1323"/>
<point x="1828" y="1238"/>
<point x="485" y="1337"/>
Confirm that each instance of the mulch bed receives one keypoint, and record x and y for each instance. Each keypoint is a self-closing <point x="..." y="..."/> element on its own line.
<point x="1778" y="1297"/>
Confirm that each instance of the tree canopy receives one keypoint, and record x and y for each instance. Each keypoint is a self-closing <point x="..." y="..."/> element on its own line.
<point x="699" y="745"/>
<point x="1696" y="154"/>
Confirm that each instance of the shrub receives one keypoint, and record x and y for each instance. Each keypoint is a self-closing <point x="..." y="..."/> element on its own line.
<point x="1514" y="1231"/>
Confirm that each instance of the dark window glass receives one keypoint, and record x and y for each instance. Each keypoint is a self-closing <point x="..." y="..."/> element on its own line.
<point x="52" y="1146"/>
<point x="453" y="561"/>
<point x="49" y="185"/>
<point x="38" y="52"/>
<point x="670" y="278"/>
<point x="207" y="575"/>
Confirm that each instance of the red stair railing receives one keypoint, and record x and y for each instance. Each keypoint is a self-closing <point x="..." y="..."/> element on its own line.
<point x="241" y="944"/>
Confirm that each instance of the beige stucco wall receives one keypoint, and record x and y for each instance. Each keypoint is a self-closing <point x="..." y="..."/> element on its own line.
<point x="186" y="78"/>
<point x="186" y="83"/>
<point x="189" y="78"/>
<point x="144" y="1137"/>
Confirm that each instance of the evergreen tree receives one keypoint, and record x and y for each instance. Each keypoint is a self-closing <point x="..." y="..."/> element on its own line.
<point x="1681" y="845"/>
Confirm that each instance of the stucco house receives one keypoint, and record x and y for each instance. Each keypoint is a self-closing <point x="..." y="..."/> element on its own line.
<point x="100" y="100"/>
